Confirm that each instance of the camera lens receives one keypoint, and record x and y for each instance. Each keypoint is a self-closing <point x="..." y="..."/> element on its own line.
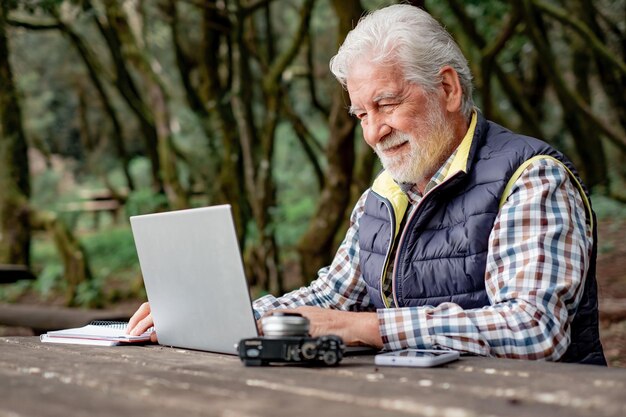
<point x="285" y="324"/>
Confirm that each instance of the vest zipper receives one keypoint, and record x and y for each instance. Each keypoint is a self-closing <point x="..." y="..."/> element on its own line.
<point x="403" y="234"/>
<point x="392" y="217"/>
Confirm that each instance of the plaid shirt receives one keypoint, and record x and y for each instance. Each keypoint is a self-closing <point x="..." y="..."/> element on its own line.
<point x="538" y="256"/>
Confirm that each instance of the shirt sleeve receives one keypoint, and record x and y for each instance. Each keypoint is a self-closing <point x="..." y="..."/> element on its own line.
<point x="338" y="286"/>
<point x="538" y="256"/>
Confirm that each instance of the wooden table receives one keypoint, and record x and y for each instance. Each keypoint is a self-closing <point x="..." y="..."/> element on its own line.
<point x="39" y="379"/>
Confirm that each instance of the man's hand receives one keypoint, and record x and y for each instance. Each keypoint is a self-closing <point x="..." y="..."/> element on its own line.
<point x="141" y="321"/>
<point x="356" y="329"/>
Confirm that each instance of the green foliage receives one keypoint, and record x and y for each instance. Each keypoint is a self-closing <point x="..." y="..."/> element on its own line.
<point x="45" y="188"/>
<point x="46" y="71"/>
<point x="90" y="294"/>
<point x="292" y="217"/>
<point x="139" y="168"/>
<point x="191" y="142"/>
<point x="48" y="279"/>
<point x="376" y="4"/>
<point x="144" y="201"/>
<point x="113" y="260"/>
<point x="32" y="6"/>
<point x="110" y="251"/>
<point x="51" y="77"/>
<point x="47" y="266"/>
<point x="607" y="208"/>
<point x="606" y="247"/>
<point x="489" y="15"/>
<point x="38" y="103"/>
<point x="114" y="264"/>
<point x="296" y="188"/>
<point x="12" y="292"/>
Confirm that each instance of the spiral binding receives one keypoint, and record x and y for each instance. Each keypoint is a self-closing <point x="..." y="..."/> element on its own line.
<point x="121" y="325"/>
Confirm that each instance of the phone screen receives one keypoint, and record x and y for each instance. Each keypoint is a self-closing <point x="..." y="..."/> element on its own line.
<point x="416" y="357"/>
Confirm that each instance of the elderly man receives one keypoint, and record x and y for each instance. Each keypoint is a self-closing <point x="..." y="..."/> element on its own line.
<point x="473" y="238"/>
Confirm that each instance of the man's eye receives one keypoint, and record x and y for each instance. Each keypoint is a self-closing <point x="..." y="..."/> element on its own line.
<point x="388" y="106"/>
<point x="361" y="116"/>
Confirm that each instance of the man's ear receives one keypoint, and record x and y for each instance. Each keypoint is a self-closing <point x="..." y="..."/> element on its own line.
<point x="451" y="85"/>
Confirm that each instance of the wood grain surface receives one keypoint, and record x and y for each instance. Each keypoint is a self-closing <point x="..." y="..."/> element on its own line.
<point x="39" y="379"/>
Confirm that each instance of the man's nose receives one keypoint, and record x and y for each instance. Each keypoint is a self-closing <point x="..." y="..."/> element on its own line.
<point x="376" y="129"/>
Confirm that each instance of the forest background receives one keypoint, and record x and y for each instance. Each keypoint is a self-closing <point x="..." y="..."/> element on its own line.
<point x="115" y="108"/>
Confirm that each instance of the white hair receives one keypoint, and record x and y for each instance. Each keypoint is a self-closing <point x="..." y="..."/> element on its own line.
<point x="405" y="35"/>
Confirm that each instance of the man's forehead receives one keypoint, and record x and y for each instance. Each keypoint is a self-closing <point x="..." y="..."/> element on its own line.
<point x="369" y="84"/>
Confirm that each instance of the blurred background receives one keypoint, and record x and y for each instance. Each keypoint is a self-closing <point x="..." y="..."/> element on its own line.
<point x="115" y="108"/>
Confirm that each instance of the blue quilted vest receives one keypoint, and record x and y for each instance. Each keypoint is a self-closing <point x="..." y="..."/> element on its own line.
<point x="443" y="249"/>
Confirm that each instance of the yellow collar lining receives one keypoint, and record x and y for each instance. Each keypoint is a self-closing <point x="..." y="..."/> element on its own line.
<point x="459" y="163"/>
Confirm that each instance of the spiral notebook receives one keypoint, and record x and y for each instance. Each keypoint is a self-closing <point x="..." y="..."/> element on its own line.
<point x="96" y="333"/>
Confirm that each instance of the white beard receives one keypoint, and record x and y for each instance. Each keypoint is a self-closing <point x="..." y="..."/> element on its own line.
<point x="424" y="156"/>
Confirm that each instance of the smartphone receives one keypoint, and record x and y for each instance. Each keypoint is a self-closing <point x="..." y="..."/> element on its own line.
<point x="416" y="357"/>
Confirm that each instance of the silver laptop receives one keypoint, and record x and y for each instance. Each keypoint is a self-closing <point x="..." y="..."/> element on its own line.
<point x="194" y="278"/>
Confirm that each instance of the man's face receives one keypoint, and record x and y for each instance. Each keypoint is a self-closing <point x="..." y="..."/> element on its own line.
<point x="405" y="125"/>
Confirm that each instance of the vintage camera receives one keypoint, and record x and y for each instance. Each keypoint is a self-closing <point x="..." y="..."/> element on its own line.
<point x="286" y="339"/>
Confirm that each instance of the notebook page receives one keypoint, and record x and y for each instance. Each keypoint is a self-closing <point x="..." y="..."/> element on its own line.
<point x="113" y="331"/>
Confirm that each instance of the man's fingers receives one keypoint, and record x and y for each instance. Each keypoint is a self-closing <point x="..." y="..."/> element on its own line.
<point x="141" y="314"/>
<point x="142" y="326"/>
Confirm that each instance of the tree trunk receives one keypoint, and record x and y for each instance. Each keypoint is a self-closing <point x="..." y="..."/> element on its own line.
<point x="94" y="69"/>
<point x="208" y="101"/>
<point x="130" y="93"/>
<point x="158" y="99"/>
<point x="316" y="245"/>
<point x="515" y="91"/>
<point x="230" y="185"/>
<point x="262" y="253"/>
<point x="586" y="138"/>
<point x="15" y="230"/>
<point x="589" y="145"/>
<point x="76" y="268"/>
